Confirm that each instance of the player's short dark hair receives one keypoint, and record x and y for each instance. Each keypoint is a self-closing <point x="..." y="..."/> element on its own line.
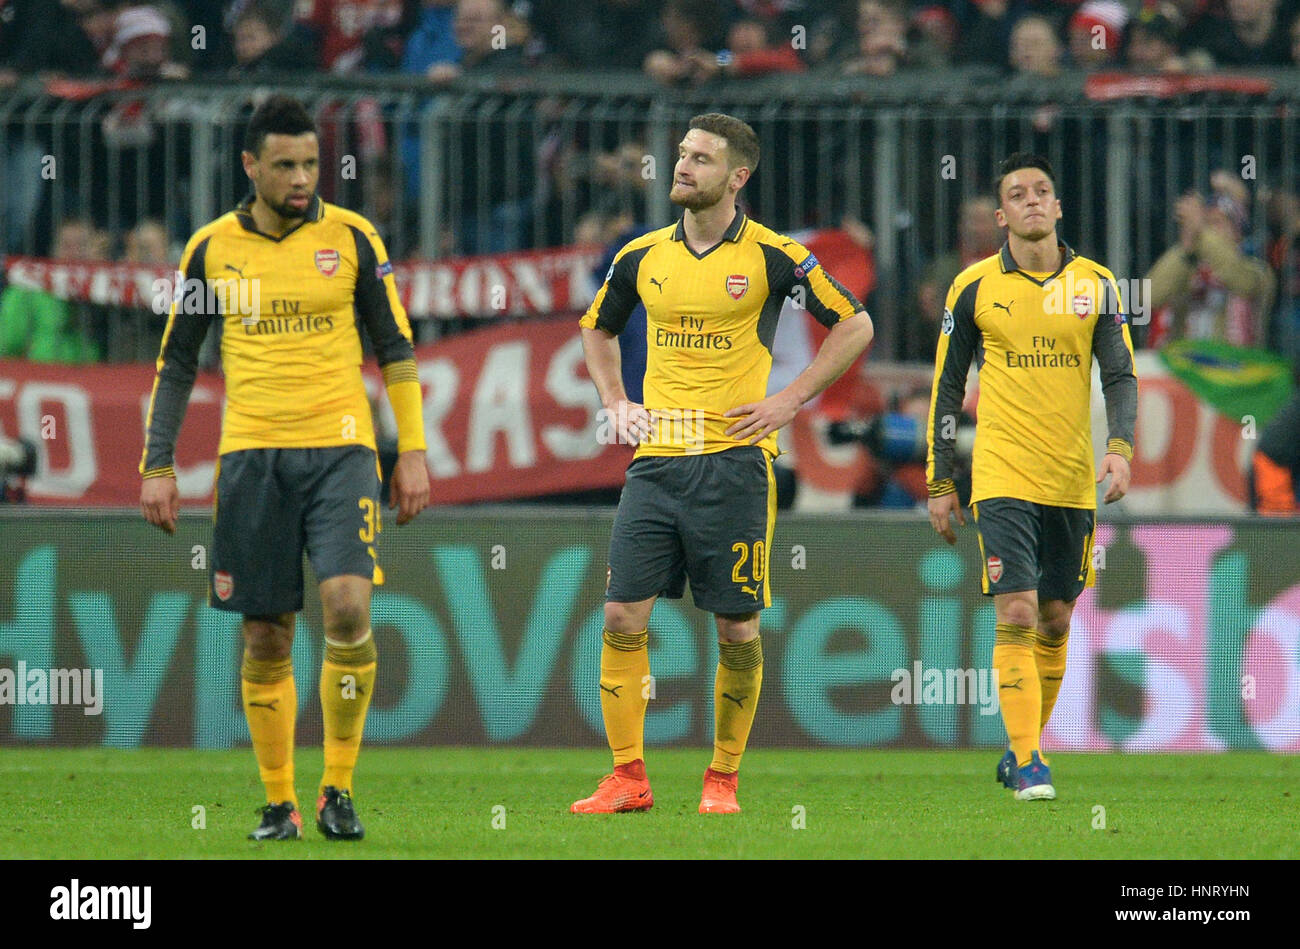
<point x="742" y="140"/>
<point x="1016" y="162"/>
<point x="278" y="115"/>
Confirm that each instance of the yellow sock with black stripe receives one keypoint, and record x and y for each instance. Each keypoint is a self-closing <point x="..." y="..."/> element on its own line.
<point x="271" y="706"/>
<point x="1049" y="657"/>
<point x="347" y="679"/>
<point x="624" y="692"/>
<point x="1019" y="692"/>
<point x="735" y="697"/>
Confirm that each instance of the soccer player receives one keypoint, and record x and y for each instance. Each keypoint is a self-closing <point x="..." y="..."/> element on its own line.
<point x="290" y="281"/>
<point x="700" y="499"/>
<point x="1034" y="314"/>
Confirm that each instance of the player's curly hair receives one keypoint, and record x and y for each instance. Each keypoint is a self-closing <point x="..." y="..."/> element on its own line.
<point x="1015" y="163"/>
<point x="742" y="142"/>
<point x="278" y="115"/>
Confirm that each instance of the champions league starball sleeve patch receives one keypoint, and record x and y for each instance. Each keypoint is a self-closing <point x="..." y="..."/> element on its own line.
<point x="805" y="268"/>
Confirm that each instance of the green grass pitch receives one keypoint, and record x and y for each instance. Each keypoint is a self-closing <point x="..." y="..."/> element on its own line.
<point x="444" y="802"/>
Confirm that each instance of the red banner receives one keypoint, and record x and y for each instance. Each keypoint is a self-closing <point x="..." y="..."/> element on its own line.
<point x="530" y="283"/>
<point x="509" y="412"/>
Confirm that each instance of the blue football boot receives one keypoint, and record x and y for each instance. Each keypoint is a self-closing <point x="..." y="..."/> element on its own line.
<point x="1007" y="771"/>
<point x="1035" y="781"/>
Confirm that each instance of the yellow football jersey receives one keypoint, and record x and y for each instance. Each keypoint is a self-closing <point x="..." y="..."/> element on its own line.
<point x="290" y="311"/>
<point x="1034" y="337"/>
<point x="711" y="319"/>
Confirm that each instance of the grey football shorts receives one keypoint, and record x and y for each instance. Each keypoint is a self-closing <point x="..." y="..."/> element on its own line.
<point x="707" y="518"/>
<point x="1029" y="546"/>
<point x="272" y="505"/>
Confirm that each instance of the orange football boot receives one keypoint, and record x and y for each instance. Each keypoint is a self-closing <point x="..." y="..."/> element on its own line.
<point x="627" y="789"/>
<point x="719" y="795"/>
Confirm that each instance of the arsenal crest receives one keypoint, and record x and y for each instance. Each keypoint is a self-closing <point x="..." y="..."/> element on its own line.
<point x="223" y="584"/>
<point x="327" y="261"/>
<point x="737" y="285"/>
<point x="1082" y="305"/>
<point x="995" y="569"/>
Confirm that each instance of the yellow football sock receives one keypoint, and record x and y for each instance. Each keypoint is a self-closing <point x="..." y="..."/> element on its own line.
<point x="347" y="678"/>
<point x="1018" y="688"/>
<point x="1049" y="657"/>
<point x="624" y="692"/>
<point x="735" y="696"/>
<point x="271" y="706"/>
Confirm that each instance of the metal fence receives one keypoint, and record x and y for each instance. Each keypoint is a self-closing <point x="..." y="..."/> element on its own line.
<point x="551" y="160"/>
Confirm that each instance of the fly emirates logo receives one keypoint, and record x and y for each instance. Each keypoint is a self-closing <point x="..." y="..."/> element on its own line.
<point x="286" y="318"/>
<point x="1046" y="355"/>
<point x="691" y="335"/>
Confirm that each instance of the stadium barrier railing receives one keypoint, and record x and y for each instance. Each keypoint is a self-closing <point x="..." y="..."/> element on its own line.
<point x="542" y="159"/>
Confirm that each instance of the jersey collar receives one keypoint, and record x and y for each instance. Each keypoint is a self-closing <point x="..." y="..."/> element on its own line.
<point x="315" y="211"/>
<point x="1009" y="264"/>
<point x="732" y="233"/>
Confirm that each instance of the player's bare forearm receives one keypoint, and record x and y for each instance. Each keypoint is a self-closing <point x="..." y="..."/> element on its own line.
<point x="846" y="341"/>
<point x="410" y="487"/>
<point x="631" y="420"/>
<point x="604" y="365"/>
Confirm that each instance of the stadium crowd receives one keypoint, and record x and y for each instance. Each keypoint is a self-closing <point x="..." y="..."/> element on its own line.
<point x="675" y="41"/>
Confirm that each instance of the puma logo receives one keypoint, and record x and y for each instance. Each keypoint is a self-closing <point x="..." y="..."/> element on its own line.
<point x="1011" y="685"/>
<point x="271" y="704"/>
<point x="659" y="283"/>
<point x="613" y="691"/>
<point x="238" y="270"/>
<point x="751" y="591"/>
<point x="740" y="702"/>
<point x="1003" y="306"/>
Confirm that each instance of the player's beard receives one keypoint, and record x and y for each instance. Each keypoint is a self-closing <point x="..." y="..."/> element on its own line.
<point x="286" y="210"/>
<point x="697" y="199"/>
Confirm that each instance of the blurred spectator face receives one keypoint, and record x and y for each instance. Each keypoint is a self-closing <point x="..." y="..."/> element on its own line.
<point x="253" y="36"/>
<point x="1251" y="12"/>
<point x="937" y="26"/>
<point x="882" y="37"/>
<point x="1096" y="32"/>
<point x="747" y="36"/>
<point x="146" y="243"/>
<point x="1035" y="48"/>
<point x="683" y="32"/>
<point x="1148" y="49"/>
<point x="474" y="22"/>
<point x="994" y="9"/>
<point x="978" y="232"/>
<point x="76" y="240"/>
<point x="143" y="57"/>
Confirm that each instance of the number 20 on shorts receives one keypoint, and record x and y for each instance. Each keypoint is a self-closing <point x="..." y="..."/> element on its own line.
<point x="759" y="558"/>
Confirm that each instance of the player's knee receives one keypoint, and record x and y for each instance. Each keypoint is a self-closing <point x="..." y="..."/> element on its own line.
<point x="736" y="627"/>
<point x="1054" y="622"/>
<point x="1019" y="612"/>
<point x="625" y="617"/>
<point x="346" y="620"/>
<point x="269" y="637"/>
